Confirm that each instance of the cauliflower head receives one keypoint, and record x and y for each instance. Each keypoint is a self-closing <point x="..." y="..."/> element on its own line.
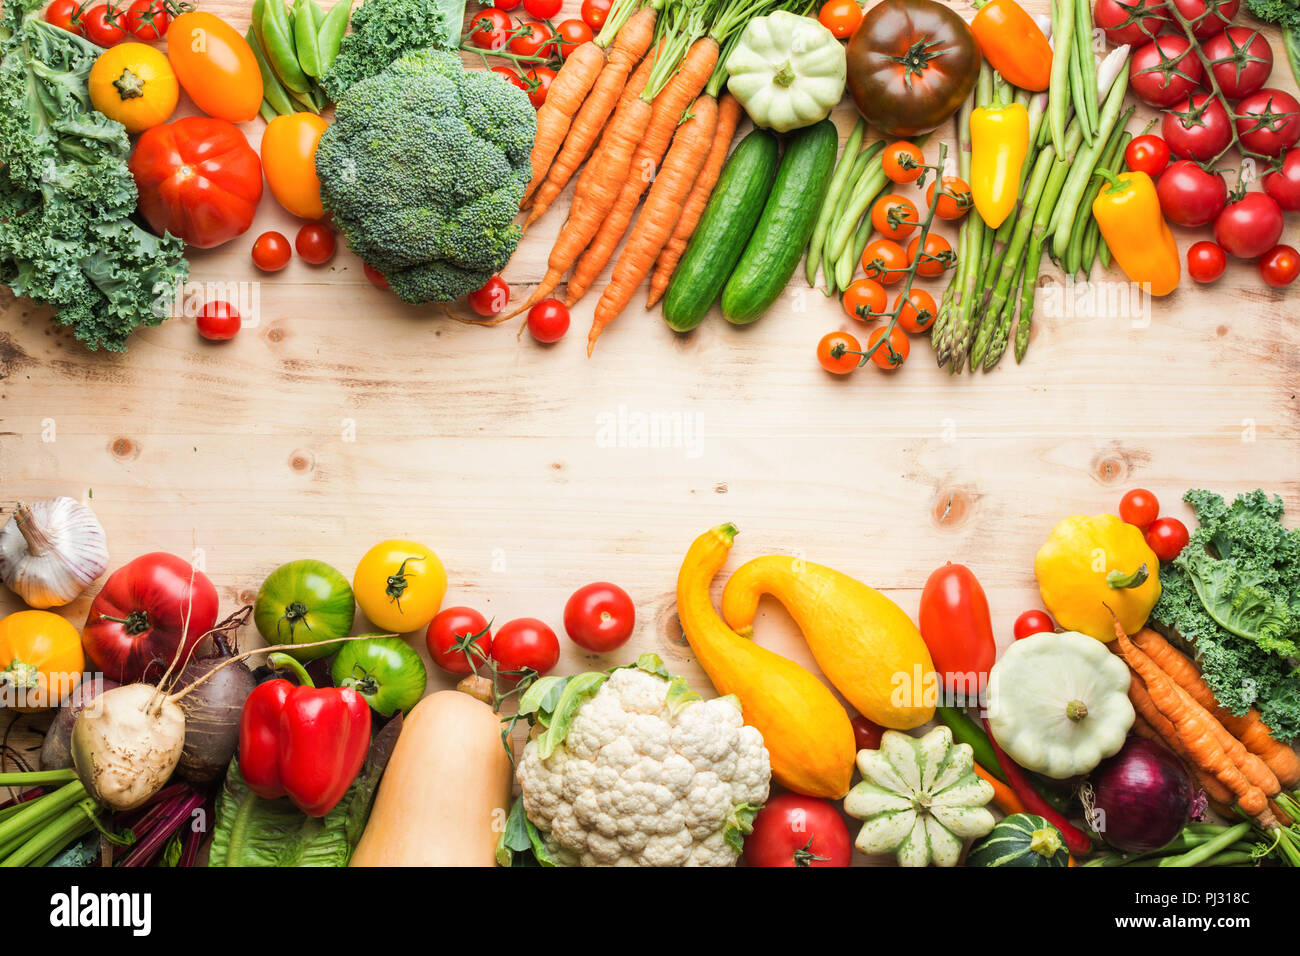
<point x="648" y="774"/>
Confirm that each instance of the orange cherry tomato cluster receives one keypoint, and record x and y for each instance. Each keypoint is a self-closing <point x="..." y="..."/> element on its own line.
<point x="895" y="255"/>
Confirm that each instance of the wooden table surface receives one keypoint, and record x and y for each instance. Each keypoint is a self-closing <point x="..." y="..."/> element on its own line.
<point x="343" y="417"/>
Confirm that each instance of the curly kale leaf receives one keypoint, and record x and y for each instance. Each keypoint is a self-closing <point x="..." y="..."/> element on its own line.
<point x="385" y="30"/>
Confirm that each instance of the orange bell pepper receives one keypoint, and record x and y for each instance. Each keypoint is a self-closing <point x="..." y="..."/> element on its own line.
<point x="1128" y="211"/>
<point x="1013" y="44"/>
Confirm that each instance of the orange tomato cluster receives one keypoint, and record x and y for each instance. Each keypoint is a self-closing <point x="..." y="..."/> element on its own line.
<point x="886" y="261"/>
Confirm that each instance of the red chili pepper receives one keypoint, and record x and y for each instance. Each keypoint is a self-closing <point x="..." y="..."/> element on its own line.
<point x="304" y="743"/>
<point x="1075" y="839"/>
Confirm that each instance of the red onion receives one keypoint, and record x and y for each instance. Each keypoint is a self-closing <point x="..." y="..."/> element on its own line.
<point x="1141" y="797"/>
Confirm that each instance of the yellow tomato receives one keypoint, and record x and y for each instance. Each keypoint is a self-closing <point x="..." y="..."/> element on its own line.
<point x="215" y="65"/>
<point x="134" y="84"/>
<point x="399" y="585"/>
<point x="289" y="161"/>
<point x="40" y="660"/>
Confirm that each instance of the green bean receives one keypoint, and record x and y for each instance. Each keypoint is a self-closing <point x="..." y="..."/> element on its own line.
<point x="860" y="196"/>
<point x="304" y="37"/>
<point x="1210" y="848"/>
<point x="1084" y="163"/>
<point x="277" y="43"/>
<point x="1059" y="86"/>
<point x="1077" y="95"/>
<point x="275" y="96"/>
<point x="848" y="159"/>
<point x="331" y="33"/>
<point x="1087" y="65"/>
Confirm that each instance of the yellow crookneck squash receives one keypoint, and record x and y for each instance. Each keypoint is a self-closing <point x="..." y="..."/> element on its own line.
<point x="1091" y="566"/>
<point x="868" y="648"/>
<point x="806" y="730"/>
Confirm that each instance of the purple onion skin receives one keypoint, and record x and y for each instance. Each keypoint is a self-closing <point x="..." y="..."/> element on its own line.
<point x="1145" y="795"/>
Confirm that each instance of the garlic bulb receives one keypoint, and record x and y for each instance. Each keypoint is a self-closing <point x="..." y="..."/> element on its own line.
<point x="50" y="551"/>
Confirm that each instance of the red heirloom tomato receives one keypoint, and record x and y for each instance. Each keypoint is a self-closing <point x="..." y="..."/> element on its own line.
<point x="1164" y="71"/>
<point x="1283" y="183"/>
<point x="136" y="622"/>
<point x="1240" y="59"/>
<point x="957" y="629"/>
<point x="1189" y="196"/>
<point x="1268" y="121"/>
<point x="1117" y="18"/>
<point x="793" y="830"/>
<point x="1249" y="226"/>
<point x="599" y="617"/>
<point x="911" y="63"/>
<point x="198" y="179"/>
<point x="1199" y="128"/>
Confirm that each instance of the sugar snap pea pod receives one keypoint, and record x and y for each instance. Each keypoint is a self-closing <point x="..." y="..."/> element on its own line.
<point x="331" y="33"/>
<point x="304" y="37"/>
<point x="306" y="101"/>
<point x="317" y="14"/>
<point x="277" y="42"/>
<point x="272" y="91"/>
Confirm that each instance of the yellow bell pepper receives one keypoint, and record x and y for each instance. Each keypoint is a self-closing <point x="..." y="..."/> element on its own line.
<point x="999" y="142"/>
<point x="1092" y="566"/>
<point x="1128" y="211"/>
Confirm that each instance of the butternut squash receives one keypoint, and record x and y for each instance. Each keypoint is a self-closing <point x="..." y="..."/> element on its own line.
<point x="446" y="791"/>
<point x="806" y="730"/>
<point x="866" y="645"/>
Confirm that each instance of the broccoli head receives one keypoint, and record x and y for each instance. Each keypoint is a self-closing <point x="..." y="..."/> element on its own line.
<point x="423" y="170"/>
<point x="385" y="30"/>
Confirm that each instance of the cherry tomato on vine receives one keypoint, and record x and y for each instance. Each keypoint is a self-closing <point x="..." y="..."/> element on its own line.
<point x="491" y="29"/>
<point x="1033" y="622"/>
<point x="936" y="257"/>
<point x="1139" y="507"/>
<point x="894" y="216"/>
<point x="548" y="320"/>
<point x="525" y="642"/>
<point x="1167" y="537"/>
<point x="1283" y="183"/>
<point x="1147" y="154"/>
<point x="917" y="314"/>
<point x="1250" y="226"/>
<point x="538" y="81"/>
<point x="446" y="630"/>
<point x="148" y="20"/>
<point x="271" y="251"/>
<point x="64" y="14"/>
<point x="1116" y="18"/>
<point x="892" y="353"/>
<point x="1241" y="61"/>
<point x="219" y="321"/>
<point x="1268" y="121"/>
<point x="511" y="77"/>
<point x="1206" y="261"/>
<point x="1190" y="196"/>
<point x="374" y="275"/>
<point x="104" y="26"/>
<point x="315" y="243"/>
<point x="599" y="617"/>
<point x="532" y="39"/>
<point x="839" y="353"/>
<point x="864" y="297"/>
<point x="543" y="9"/>
<point x="596" y="12"/>
<point x="866" y="733"/>
<point x="1198" y="128"/>
<point x="1164" y="71"/>
<point x="903" y="162"/>
<point x="1280" y="266"/>
<point x="841" y="17"/>
<point x="1209" y="16"/>
<point x="492" y="299"/>
<point x="884" y="260"/>
<point x="573" y="33"/>
<point x="955" y="200"/>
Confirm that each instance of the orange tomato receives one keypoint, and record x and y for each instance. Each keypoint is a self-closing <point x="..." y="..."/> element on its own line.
<point x="917" y="313"/>
<point x="937" y="257"/>
<point x="289" y="161"/>
<point x="215" y="65"/>
<point x="892" y="353"/>
<point x="884" y="260"/>
<point x="955" y="200"/>
<point x="40" y="660"/>
<point x="839" y="353"/>
<point x="903" y="162"/>
<point x="894" y="216"/>
<point x="864" y="300"/>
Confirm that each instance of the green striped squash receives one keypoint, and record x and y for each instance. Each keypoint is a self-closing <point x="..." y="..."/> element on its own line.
<point x="1022" y="839"/>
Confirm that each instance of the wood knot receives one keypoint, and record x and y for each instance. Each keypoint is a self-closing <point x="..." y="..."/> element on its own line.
<point x="720" y="488"/>
<point x="275" y="333"/>
<point x="124" y="449"/>
<point x="246" y="596"/>
<point x="951" y="507"/>
<point x="1110" y="467"/>
<point x="302" y="461"/>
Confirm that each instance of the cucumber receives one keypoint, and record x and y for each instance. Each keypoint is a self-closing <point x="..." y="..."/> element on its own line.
<point x="789" y="216"/>
<point x="724" y="228"/>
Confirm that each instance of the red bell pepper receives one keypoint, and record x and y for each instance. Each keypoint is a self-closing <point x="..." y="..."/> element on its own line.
<point x="305" y="743"/>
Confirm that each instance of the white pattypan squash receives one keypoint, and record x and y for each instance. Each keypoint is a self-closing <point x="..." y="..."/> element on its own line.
<point x="787" y="71"/>
<point x="1058" y="703"/>
<point x="920" y="798"/>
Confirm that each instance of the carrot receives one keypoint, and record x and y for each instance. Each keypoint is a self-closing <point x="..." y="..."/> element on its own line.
<point x="630" y="46"/>
<point x="1192" y="723"/>
<point x="1249" y="729"/>
<point x="693" y="208"/>
<point x="1154" y="725"/>
<point x="1003" y="796"/>
<point x="663" y="205"/>
<point x="667" y="109"/>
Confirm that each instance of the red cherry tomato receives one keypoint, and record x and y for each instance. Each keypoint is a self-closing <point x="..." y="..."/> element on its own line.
<point x="573" y="33"/>
<point x="957" y="629"/>
<point x="841" y="17"/>
<point x="446" y="630"/>
<point x="793" y="830"/>
<point x="148" y="20"/>
<point x="492" y="299"/>
<point x="525" y="643"/>
<point x="315" y="243"/>
<point x="1167" y="537"/>
<point x="532" y="39"/>
<point x="1139" y="507"/>
<point x="1033" y="622"/>
<point x="374" y="275"/>
<point x="1240" y="60"/>
<point x="538" y="81"/>
<point x="1190" y="196"/>
<point x="1280" y="266"/>
<point x="506" y="4"/>
<point x="1148" y="154"/>
<point x="1206" y="261"/>
<point x="1283" y="184"/>
<point x="271" y="251"/>
<point x="219" y="321"/>
<point x="866" y="733"/>
<point x="548" y="320"/>
<point x="543" y="9"/>
<point x="514" y="78"/>
<point x="596" y="12"/>
<point x="490" y="29"/>
<point x="599" y="617"/>
<point x="1249" y="226"/>
<point x="64" y="14"/>
<point x="104" y="26"/>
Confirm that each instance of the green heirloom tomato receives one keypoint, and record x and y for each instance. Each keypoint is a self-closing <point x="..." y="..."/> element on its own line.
<point x="302" y="602"/>
<point x="383" y="670"/>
